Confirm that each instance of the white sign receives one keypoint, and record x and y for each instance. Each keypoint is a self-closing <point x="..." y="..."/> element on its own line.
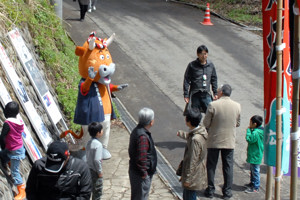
<point x="28" y="141"/>
<point x="36" y="78"/>
<point x="21" y="93"/>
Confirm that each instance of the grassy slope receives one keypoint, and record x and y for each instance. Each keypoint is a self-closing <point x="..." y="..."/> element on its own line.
<point x="52" y="45"/>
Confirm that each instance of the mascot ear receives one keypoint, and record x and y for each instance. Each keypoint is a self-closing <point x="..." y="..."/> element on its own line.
<point x="79" y="51"/>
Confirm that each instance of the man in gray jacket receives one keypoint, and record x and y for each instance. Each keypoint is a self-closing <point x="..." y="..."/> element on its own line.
<point x="221" y="118"/>
<point x="199" y="77"/>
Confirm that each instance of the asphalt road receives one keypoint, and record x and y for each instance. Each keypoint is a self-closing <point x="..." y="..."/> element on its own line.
<point x="155" y="40"/>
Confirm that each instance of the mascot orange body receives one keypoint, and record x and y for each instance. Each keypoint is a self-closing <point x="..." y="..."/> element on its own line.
<point x="94" y="96"/>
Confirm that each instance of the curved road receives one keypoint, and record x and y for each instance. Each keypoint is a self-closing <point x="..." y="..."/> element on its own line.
<point x="155" y="40"/>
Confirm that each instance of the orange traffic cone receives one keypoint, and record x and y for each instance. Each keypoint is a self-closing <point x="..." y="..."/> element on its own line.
<point x="206" y="20"/>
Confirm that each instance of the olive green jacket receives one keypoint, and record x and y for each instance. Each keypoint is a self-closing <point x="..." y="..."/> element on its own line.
<point x="194" y="161"/>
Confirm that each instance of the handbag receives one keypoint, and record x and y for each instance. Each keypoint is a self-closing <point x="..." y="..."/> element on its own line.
<point x="179" y="169"/>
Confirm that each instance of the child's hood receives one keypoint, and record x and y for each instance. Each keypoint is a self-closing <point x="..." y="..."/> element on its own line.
<point x="260" y="131"/>
<point x="17" y="124"/>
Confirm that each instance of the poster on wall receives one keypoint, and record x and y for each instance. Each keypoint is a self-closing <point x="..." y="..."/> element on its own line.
<point x="36" y="79"/>
<point x="22" y="95"/>
<point x="28" y="141"/>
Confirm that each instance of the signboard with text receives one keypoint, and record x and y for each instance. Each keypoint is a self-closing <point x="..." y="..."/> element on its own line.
<point x="27" y="105"/>
<point x="36" y="79"/>
<point x="28" y="141"/>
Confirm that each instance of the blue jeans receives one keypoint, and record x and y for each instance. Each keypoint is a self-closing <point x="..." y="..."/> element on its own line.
<point x="189" y="194"/>
<point x="201" y="101"/>
<point x="255" y="175"/>
<point x="15" y="157"/>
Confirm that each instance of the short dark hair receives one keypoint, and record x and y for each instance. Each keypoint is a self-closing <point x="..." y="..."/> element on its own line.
<point x="11" y="109"/>
<point x="94" y="128"/>
<point x="194" y="117"/>
<point x="257" y="119"/>
<point x="226" y="90"/>
<point x="202" y="48"/>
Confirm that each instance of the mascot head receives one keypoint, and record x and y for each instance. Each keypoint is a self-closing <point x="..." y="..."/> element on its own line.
<point x="94" y="53"/>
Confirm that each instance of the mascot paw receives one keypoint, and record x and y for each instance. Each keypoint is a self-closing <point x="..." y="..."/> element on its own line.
<point x="122" y="86"/>
<point x="91" y="72"/>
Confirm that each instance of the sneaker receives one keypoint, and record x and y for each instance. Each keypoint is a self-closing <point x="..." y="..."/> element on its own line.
<point x="248" y="185"/>
<point x="89" y="10"/>
<point x="105" y="154"/>
<point x="208" y="194"/>
<point x="94" y="7"/>
<point x="227" y="196"/>
<point x="252" y="190"/>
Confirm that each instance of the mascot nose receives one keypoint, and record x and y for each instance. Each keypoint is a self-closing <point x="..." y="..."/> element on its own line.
<point x="104" y="69"/>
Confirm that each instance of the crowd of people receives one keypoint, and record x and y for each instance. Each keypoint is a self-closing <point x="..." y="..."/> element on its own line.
<point x="211" y="117"/>
<point x="218" y="131"/>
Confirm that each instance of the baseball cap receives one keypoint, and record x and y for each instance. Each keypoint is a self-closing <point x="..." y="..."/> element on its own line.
<point x="57" y="155"/>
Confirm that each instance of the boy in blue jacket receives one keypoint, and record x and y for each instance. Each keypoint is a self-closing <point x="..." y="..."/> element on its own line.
<point x="255" y="149"/>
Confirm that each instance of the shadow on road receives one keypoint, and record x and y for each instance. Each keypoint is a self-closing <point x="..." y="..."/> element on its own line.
<point x="170" y="145"/>
<point x="238" y="187"/>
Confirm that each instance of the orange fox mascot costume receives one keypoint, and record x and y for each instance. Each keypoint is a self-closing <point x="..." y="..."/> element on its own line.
<point x="94" y="96"/>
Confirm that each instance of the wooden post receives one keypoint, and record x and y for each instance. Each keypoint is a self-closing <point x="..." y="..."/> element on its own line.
<point x="269" y="183"/>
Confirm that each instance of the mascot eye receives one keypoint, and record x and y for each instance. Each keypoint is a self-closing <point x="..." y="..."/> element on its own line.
<point x="102" y="57"/>
<point x="107" y="56"/>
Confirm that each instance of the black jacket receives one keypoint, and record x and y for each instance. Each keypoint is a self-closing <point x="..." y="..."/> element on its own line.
<point x="193" y="78"/>
<point x="133" y="153"/>
<point x="73" y="182"/>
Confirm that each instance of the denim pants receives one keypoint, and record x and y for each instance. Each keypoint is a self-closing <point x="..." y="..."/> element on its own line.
<point x="15" y="157"/>
<point x="255" y="175"/>
<point x="227" y="166"/>
<point x="189" y="194"/>
<point x="140" y="187"/>
<point x="201" y="101"/>
<point x="97" y="185"/>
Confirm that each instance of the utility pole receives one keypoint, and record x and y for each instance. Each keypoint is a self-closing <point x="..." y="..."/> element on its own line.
<point x="58" y="7"/>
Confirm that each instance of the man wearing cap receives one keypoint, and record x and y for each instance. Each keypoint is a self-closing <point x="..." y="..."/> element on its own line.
<point x="59" y="176"/>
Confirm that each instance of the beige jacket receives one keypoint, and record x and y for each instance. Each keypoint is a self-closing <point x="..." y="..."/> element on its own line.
<point x="194" y="168"/>
<point x="221" y="119"/>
